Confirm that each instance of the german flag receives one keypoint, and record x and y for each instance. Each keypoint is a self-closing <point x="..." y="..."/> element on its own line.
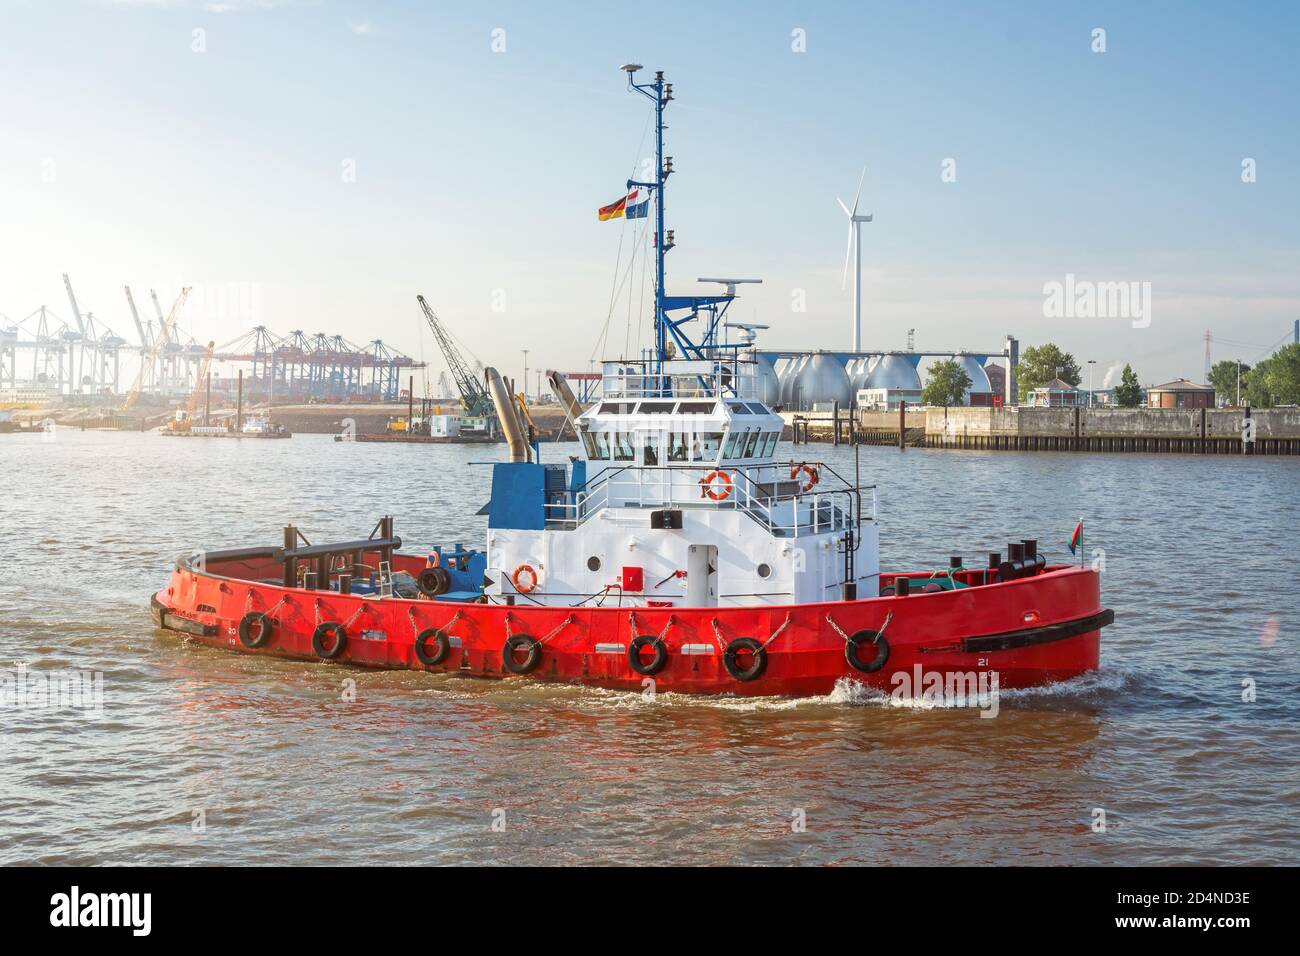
<point x="631" y="206"/>
<point x="614" y="210"/>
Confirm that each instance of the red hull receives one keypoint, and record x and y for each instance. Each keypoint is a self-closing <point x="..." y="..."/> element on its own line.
<point x="1029" y="632"/>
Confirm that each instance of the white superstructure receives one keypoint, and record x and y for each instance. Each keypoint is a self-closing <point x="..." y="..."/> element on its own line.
<point x="678" y="500"/>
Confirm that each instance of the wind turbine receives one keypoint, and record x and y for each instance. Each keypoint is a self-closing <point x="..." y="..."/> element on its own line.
<point x="854" y="249"/>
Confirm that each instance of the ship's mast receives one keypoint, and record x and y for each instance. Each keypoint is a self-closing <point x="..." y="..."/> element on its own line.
<point x="713" y="307"/>
<point x="660" y="92"/>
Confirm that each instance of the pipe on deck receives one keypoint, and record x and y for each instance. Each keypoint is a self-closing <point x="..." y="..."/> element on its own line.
<point x="506" y="416"/>
<point x="560" y="386"/>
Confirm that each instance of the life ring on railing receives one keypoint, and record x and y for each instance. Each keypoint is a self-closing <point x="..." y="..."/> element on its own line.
<point x="519" y="573"/>
<point x="707" y="489"/>
<point x="254" y="620"/>
<point x="433" y="561"/>
<point x="810" y="471"/>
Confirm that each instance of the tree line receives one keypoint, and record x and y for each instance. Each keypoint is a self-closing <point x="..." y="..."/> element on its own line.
<point x="1273" y="381"/>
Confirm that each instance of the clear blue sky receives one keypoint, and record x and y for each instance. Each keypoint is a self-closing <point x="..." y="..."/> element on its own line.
<point x="129" y="158"/>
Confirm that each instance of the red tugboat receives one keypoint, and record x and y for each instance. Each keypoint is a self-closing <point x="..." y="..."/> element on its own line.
<point x="677" y="550"/>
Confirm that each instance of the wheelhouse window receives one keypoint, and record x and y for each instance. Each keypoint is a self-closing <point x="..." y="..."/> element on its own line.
<point x="751" y="444"/>
<point x="650" y="448"/>
<point x="624" y="446"/>
<point x="617" y="408"/>
<point x="598" y="445"/>
<point x="656" y="408"/>
<point x="678" y="443"/>
<point x="739" y="408"/>
<point x="696" y="408"/>
<point x="769" y="446"/>
<point x="705" y="446"/>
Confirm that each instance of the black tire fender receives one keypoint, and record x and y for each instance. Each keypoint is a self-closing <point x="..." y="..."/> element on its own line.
<point x="254" y="620"/>
<point x="441" y="646"/>
<point x="329" y="630"/>
<point x="855" y="642"/>
<point x="514" y="643"/>
<point x="731" y="654"/>
<point x="656" y="663"/>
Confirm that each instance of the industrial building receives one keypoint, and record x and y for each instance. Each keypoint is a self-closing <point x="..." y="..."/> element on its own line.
<point x="801" y="381"/>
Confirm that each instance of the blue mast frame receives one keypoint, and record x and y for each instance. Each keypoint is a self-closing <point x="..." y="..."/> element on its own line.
<point x="666" y="327"/>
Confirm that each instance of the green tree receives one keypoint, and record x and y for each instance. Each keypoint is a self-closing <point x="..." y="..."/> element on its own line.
<point x="1276" y="380"/>
<point x="1223" y="376"/>
<point x="947" y="384"/>
<point x="1039" y="364"/>
<point x="1128" y="393"/>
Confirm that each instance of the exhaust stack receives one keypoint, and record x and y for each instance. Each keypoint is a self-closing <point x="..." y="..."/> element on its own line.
<point x="506" y="415"/>
<point x="560" y="386"/>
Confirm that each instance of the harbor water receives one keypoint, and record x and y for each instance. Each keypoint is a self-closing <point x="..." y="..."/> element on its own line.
<point x="1184" y="748"/>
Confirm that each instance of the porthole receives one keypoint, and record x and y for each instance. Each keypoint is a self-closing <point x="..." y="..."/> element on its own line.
<point x="593" y="563"/>
<point x="764" y="570"/>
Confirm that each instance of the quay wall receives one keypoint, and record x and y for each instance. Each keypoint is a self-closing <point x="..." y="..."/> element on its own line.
<point x="1184" y="430"/>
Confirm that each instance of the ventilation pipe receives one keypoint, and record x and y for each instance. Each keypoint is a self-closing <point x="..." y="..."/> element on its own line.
<point x="506" y="416"/>
<point x="569" y="401"/>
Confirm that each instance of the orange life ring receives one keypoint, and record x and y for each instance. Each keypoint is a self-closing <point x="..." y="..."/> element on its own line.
<point x="433" y="561"/>
<point x="810" y="471"/>
<point x="532" y="579"/>
<point x="707" y="485"/>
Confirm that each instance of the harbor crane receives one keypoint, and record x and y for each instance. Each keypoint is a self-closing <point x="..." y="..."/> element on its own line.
<point x="155" y="349"/>
<point x="184" y="421"/>
<point x="473" y="395"/>
<point x="146" y="343"/>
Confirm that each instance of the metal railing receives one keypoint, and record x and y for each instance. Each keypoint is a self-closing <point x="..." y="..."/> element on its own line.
<point x="782" y="513"/>
<point x="680" y="379"/>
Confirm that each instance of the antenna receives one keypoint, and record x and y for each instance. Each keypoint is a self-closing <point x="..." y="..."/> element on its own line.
<point x="748" y="331"/>
<point x="732" y="283"/>
<point x="671" y="339"/>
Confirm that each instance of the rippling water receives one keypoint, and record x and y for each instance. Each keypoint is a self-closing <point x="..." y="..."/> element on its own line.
<point x="280" y="768"/>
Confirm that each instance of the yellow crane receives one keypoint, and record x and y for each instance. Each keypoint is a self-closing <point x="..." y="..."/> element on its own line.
<point x="159" y="343"/>
<point x="179" y="424"/>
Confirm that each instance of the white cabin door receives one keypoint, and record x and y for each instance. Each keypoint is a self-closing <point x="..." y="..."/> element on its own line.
<point x="701" y="576"/>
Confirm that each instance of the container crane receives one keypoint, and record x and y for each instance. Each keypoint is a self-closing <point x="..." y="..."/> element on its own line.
<point x="145" y="342"/>
<point x="473" y="395"/>
<point x="159" y="343"/>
